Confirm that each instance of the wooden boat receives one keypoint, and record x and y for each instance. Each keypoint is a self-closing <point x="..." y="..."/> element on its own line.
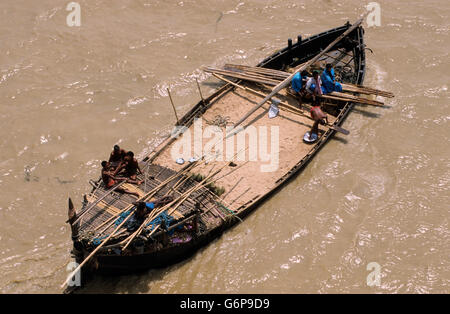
<point x="202" y="209"/>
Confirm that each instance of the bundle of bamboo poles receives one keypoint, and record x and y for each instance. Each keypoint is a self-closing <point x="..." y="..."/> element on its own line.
<point x="274" y="77"/>
<point x="283" y="75"/>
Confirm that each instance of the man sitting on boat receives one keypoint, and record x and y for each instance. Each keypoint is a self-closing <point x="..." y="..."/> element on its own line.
<point x="143" y="209"/>
<point x="117" y="155"/>
<point x="314" y="86"/>
<point x="298" y="84"/>
<point x="130" y="167"/>
<point x="110" y="180"/>
<point x="329" y="80"/>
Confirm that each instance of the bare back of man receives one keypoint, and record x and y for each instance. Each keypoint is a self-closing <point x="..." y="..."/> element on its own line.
<point x="110" y="180"/>
<point x="319" y="116"/>
<point x="130" y="167"/>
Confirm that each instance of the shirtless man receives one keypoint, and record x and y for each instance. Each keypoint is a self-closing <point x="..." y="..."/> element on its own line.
<point x="110" y="180"/>
<point x="131" y="167"/>
<point x="117" y="156"/>
<point x="319" y="117"/>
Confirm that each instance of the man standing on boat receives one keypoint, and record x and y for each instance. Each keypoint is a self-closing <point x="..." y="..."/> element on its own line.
<point x="319" y="117"/>
<point x="329" y="80"/>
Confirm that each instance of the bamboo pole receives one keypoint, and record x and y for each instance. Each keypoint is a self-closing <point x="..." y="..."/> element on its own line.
<point x="200" y="91"/>
<point x="342" y="55"/>
<point x="98" y="248"/>
<point x="240" y="196"/>
<point x="243" y="76"/>
<point x="256" y="76"/>
<point x="231" y="190"/>
<point x="366" y="90"/>
<point x="259" y="69"/>
<point x="173" y="106"/>
<point x="253" y="71"/>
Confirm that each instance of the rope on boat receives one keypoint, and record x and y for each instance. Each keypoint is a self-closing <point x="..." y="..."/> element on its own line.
<point x="229" y="210"/>
<point x="220" y="121"/>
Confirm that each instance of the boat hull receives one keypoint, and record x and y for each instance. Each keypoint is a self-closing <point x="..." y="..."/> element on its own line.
<point x="292" y="55"/>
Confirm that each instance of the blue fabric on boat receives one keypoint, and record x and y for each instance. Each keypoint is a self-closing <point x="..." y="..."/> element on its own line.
<point x="150" y="205"/>
<point x="297" y="82"/>
<point x="328" y="84"/>
<point x="98" y="241"/>
<point x="122" y="217"/>
<point x="158" y="220"/>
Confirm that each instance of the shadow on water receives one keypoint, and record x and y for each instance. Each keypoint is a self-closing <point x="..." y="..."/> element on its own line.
<point x="339" y="139"/>
<point x="134" y="283"/>
<point x="366" y="113"/>
<point x="213" y="84"/>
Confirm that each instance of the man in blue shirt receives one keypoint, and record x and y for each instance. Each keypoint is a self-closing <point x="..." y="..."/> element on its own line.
<point x="298" y="84"/>
<point x="329" y="83"/>
<point x="143" y="209"/>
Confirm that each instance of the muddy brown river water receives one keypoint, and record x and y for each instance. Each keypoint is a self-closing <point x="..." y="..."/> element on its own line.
<point x="380" y="194"/>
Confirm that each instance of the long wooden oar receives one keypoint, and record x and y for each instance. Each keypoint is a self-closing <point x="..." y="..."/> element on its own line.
<point x="286" y="105"/>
